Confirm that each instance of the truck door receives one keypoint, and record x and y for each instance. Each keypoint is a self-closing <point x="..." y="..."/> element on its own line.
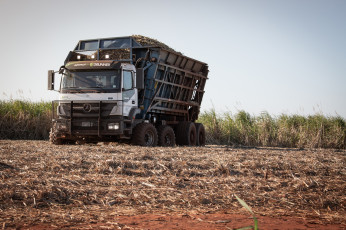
<point x="130" y="98"/>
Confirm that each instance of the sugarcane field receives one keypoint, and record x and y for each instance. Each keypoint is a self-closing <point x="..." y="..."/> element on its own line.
<point x="173" y="115"/>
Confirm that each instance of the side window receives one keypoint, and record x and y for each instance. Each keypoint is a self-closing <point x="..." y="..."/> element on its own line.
<point x="127" y="80"/>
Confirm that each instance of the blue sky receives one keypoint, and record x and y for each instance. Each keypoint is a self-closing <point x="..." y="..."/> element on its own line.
<point x="276" y="56"/>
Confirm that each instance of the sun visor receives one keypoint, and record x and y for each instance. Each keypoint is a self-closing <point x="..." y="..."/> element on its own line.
<point x="87" y="65"/>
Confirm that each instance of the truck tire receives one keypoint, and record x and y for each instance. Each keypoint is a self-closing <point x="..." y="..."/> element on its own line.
<point x="144" y="134"/>
<point x="200" y="130"/>
<point x="166" y="136"/>
<point x="53" y="137"/>
<point x="186" y="133"/>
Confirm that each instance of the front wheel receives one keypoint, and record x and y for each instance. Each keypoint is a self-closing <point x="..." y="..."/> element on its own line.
<point x="144" y="134"/>
<point x="53" y="136"/>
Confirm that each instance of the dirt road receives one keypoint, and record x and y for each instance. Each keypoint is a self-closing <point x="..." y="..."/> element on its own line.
<point x="119" y="186"/>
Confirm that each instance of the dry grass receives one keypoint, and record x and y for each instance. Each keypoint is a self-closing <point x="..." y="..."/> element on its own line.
<point x="69" y="185"/>
<point x="25" y="120"/>
<point x="292" y="131"/>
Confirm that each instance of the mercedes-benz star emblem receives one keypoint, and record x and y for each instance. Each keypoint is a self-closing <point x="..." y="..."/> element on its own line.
<point x="87" y="107"/>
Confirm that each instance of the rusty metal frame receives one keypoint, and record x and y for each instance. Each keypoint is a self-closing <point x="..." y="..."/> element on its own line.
<point x="177" y="97"/>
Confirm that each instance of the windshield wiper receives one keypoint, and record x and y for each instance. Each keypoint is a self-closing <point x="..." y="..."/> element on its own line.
<point x="95" y="87"/>
<point x="90" y="90"/>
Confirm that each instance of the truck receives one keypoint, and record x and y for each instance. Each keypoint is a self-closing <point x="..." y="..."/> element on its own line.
<point x="133" y="89"/>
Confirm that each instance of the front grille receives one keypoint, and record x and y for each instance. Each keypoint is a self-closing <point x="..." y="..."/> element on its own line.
<point x="87" y="109"/>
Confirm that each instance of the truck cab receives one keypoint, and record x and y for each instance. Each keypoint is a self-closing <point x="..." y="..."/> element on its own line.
<point x="96" y="99"/>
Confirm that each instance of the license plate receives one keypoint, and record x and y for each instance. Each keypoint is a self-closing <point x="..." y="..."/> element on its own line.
<point x="86" y="124"/>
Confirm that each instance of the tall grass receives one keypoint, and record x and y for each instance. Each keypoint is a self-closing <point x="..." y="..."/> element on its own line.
<point x="316" y="131"/>
<point x="21" y="119"/>
<point x="24" y="119"/>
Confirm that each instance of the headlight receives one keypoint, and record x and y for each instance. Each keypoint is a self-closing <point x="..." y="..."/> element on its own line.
<point x="113" y="126"/>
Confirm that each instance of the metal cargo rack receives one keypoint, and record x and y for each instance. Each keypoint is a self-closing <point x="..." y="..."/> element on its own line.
<point x="174" y="84"/>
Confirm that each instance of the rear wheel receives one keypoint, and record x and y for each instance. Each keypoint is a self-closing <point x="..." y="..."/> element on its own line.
<point x="166" y="136"/>
<point x="144" y="134"/>
<point x="200" y="134"/>
<point x="186" y="133"/>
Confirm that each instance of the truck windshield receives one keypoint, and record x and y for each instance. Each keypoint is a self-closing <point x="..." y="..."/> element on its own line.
<point x="108" y="81"/>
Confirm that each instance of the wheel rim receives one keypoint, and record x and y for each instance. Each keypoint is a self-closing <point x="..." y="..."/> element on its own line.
<point x="192" y="138"/>
<point x="201" y="138"/>
<point x="168" y="139"/>
<point x="149" y="138"/>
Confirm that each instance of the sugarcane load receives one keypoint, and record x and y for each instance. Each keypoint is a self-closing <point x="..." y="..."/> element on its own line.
<point x="128" y="88"/>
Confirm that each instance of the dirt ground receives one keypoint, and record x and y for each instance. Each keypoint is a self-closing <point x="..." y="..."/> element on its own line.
<point x="117" y="186"/>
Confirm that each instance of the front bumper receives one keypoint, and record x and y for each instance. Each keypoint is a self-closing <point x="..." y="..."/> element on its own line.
<point x="89" y="118"/>
<point x="90" y="127"/>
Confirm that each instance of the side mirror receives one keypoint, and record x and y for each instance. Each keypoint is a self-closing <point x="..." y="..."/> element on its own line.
<point x="50" y="79"/>
<point x="140" y="78"/>
<point x="61" y="70"/>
